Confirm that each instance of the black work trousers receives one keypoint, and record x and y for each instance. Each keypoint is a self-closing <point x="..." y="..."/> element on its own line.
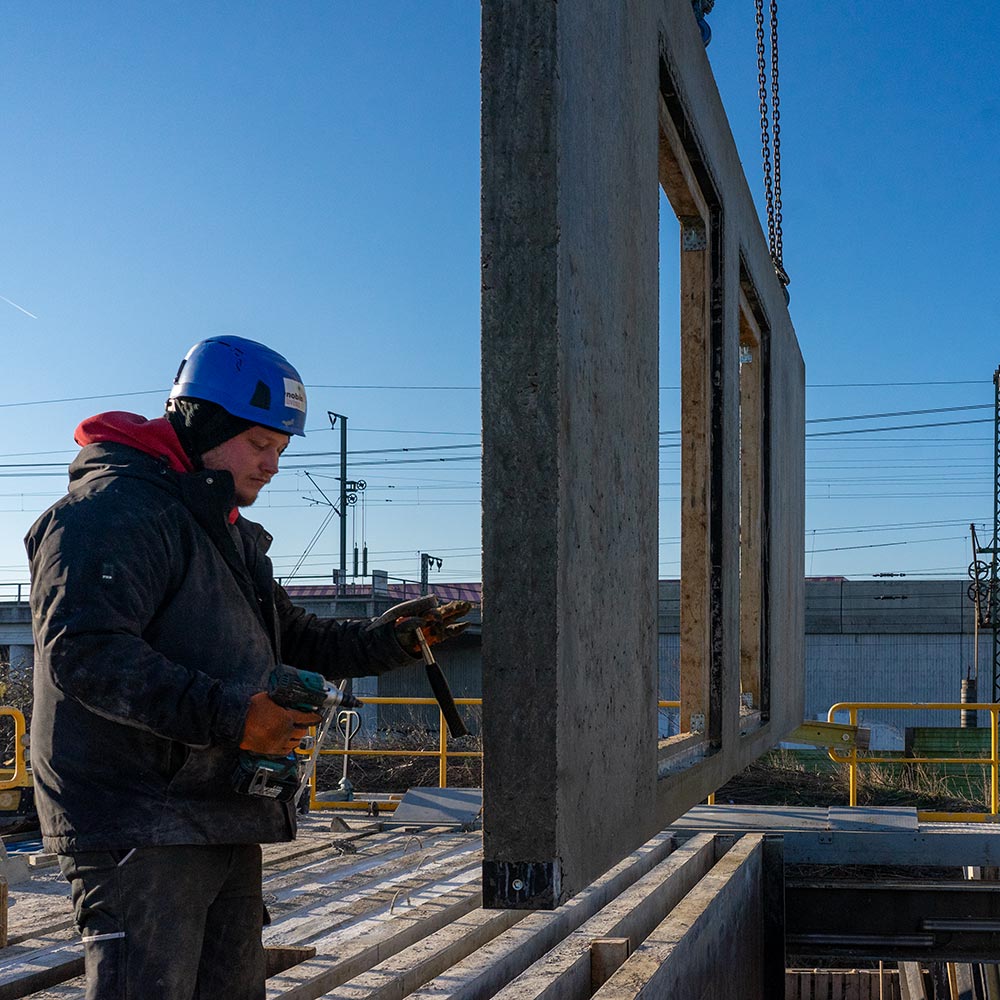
<point x="170" y="923"/>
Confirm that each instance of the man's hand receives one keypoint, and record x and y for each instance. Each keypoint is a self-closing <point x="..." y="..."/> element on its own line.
<point x="273" y="730"/>
<point x="436" y="622"/>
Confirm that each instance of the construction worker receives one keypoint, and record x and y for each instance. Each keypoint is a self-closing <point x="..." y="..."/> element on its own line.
<point x="157" y="622"/>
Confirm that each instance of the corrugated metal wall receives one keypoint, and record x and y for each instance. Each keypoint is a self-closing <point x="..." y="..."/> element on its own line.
<point x="922" y="667"/>
<point x="669" y="672"/>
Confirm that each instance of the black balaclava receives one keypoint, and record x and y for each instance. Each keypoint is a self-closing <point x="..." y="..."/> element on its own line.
<point x="201" y="426"/>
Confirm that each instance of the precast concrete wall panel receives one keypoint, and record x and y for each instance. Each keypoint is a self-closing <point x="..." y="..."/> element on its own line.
<point x="587" y="110"/>
<point x="569" y="441"/>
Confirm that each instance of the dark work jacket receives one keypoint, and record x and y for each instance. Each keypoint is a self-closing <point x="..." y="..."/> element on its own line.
<point x="154" y="624"/>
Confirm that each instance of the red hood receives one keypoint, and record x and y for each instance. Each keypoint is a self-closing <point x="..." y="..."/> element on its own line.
<point x="154" y="437"/>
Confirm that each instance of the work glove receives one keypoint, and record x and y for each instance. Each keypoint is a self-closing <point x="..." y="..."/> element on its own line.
<point x="273" y="730"/>
<point x="436" y="622"/>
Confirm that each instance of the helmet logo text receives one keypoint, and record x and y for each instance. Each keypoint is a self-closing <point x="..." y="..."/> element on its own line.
<point x="295" y="395"/>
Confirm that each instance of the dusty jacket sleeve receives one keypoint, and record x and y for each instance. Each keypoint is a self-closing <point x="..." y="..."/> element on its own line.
<point x="95" y="588"/>
<point x="334" y="648"/>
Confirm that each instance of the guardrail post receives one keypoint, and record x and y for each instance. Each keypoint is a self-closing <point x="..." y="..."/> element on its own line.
<point x="993" y="761"/>
<point x="853" y="768"/>
<point x="19" y="776"/>
<point x="443" y="749"/>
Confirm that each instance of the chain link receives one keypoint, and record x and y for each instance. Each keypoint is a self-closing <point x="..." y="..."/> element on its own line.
<point x="770" y="124"/>
<point x="776" y="133"/>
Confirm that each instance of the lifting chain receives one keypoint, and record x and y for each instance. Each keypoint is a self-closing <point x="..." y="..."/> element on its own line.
<point x="770" y="125"/>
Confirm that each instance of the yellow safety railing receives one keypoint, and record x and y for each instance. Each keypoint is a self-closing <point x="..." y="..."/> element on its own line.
<point x="442" y="753"/>
<point x="854" y="759"/>
<point x="18" y="778"/>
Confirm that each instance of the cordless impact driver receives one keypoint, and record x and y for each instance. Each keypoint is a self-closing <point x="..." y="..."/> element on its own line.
<point x="281" y="777"/>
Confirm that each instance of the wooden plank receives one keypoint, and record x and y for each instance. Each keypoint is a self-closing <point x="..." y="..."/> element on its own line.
<point x="991" y="981"/>
<point x="564" y="971"/>
<point x="43" y="860"/>
<point x="960" y="981"/>
<point x="751" y="510"/>
<point x="721" y="916"/>
<point x="697" y="456"/>
<point x="607" y="956"/>
<point x="676" y="176"/>
<point x="911" y="982"/>
<point x="793" y="985"/>
<point x="30" y="932"/>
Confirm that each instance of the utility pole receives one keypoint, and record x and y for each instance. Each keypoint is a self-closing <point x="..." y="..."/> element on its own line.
<point x="985" y="587"/>
<point x="348" y="497"/>
<point x="994" y="594"/>
<point x="426" y="559"/>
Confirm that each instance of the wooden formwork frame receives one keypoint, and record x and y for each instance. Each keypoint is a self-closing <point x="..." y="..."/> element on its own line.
<point x="708" y="459"/>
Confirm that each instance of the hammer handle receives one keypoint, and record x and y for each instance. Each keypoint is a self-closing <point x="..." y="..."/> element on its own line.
<point x="442" y="693"/>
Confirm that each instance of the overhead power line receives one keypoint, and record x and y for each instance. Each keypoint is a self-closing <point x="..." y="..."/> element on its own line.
<point x="900" y="413"/>
<point x="80" y="399"/>
<point x="400" y="388"/>
<point x="475" y="388"/>
<point x="898" y="427"/>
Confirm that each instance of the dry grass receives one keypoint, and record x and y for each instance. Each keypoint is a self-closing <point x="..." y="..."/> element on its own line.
<point x="388" y="774"/>
<point x="782" y="777"/>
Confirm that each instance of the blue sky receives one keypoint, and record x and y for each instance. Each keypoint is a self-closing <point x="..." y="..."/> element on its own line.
<point x="307" y="174"/>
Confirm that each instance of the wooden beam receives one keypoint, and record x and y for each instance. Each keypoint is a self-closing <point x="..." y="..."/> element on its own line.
<point x="607" y="956"/>
<point x="676" y="176"/>
<point x="836" y="735"/>
<point x="697" y="457"/>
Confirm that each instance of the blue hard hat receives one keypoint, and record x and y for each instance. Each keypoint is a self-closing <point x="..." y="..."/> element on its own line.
<point x="247" y="380"/>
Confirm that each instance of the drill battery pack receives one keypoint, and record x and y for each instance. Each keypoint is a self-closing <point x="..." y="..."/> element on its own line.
<point x="273" y="777"/>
